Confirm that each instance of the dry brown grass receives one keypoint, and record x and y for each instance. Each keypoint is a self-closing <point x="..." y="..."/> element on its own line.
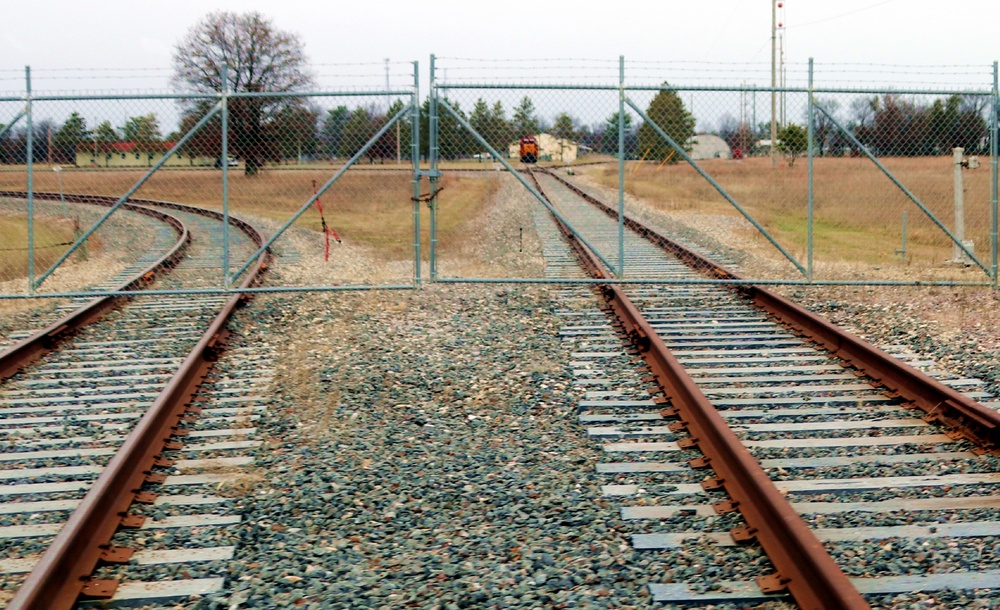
<point x="369" y="207"/>
<point x="14" y="254"/>
<point x="242" y="484"/>
<point x="858" y="211"/>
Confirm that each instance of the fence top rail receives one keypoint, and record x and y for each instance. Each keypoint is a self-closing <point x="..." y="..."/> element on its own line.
<point x="710" y="88"/>
<point x="113" y="95"/>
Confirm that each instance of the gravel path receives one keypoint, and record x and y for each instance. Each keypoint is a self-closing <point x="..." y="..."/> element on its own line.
<point x="427" y="456"/>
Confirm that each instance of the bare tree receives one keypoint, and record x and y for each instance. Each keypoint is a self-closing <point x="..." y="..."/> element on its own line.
<point x="259" y="59"/>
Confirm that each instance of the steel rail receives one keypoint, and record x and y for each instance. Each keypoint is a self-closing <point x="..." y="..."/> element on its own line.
<point x="26" y="351"/>
<point x="963" y="416"/>
<point x="62" y="574"/>
<point x="804" y="568"/>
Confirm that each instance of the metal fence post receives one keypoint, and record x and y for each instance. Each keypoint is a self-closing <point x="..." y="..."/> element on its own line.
<point x="811" y="133"/>
<point x="959" y="188"/>
<point x="415" y="160"/>
<point x="994" y="131"/>
<point x="432" y="156"/>
<point x="29" y="154"/>
<point x="621" y="166"/>
<point x="225" y="176"/>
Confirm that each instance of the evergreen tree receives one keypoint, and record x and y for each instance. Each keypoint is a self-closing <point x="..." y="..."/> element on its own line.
<point x="143" y="130"/>
<point x="491" y="124"/>
<point x="793" y="141"/>
<point x="668" y="112"/>
<point x="293" y="131"/>
<point x="403" y="128"/>
<point x="565" y="130"/>
<point x="481" y="120"/>
<point x="609" y="137"/>
<point x="564" y="127"/>
<point x="500" y="128"/>
<point x="333" y="129"/>
<point x="68" y="137"/>
<point x="358" y="129"/>
<point x="525" y="121"/>
<point x="104" y="132"/>
<point x="453" y="140"/>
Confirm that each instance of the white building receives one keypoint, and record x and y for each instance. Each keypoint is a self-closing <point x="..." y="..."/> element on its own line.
<point x="550" y="148"/>
<point x="707" y="146"/>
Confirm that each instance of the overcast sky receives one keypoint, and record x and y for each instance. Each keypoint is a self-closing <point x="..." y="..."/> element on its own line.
<point x="139" y="34"/>
<point x="133" y="35"/>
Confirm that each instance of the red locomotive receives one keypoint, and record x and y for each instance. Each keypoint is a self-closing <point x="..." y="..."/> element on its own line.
<point x="529" y="149"/>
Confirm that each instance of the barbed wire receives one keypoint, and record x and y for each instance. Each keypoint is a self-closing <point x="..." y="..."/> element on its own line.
<point x="543" y="59"/>
<point x="92" y="69"/>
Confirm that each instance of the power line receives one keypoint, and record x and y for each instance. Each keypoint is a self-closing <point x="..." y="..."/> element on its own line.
<point x="854" y="12"/>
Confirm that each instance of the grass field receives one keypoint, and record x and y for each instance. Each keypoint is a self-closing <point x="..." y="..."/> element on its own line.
<point x="858" y="211"/>
<point x="14" y="254"/>
<point x="373" y="208"/>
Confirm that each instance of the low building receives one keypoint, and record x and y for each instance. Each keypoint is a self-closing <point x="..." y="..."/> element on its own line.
<point x="134" y="154"/>
<point x="550" y="148"/>
<point x="708" y="146"/>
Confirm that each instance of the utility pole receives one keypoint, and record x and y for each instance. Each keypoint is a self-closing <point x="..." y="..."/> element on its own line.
<point x="774" y="82"/>
<point x="782" y="70"/>
<point x="387" y="105"/>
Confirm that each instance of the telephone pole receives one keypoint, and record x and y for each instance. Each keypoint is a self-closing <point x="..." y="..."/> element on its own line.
<point x="774" y="82"/>
<point x="387" y="106"/>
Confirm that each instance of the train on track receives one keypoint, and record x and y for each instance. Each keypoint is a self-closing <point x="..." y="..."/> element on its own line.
<point x="529" y="149"/>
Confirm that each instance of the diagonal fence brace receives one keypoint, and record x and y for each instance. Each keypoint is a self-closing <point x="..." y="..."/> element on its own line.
<point x="135" y="187"/>
<point x="371" y="142"/>
<point x="496" y="155"/>
<point x="6" y="128"/>
<point x="923" y="208"/>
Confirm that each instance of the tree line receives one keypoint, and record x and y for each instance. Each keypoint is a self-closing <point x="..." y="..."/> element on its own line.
<point x="302" y="129"/>
<point x="888" y="125"/>
<point x="58" y="144"/>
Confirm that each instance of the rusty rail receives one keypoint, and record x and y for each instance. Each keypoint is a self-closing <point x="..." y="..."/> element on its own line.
<point x="965" y="417"/>
<point x="804" y="568"/>
<point x="62" y="574"/>
<point x="31" y="348"/>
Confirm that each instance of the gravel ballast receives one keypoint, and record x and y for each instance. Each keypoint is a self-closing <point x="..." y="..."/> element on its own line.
<point x="427" y="456"/>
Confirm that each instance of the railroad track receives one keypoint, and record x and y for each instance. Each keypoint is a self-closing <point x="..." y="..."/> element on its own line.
<point x="164" y="243"/>
<point x="93" y="404"/>
<point x="750" y="425"/>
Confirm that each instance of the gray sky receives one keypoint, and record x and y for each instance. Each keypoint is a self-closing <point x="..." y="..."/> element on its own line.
<point x="138" y="34"/>
<point x="135" y="39"/>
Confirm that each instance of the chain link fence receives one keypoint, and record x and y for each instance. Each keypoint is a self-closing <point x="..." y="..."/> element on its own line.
<point x="835" y="174"/>
<point x="848" y="175"/>
<point x="328" y="175"/>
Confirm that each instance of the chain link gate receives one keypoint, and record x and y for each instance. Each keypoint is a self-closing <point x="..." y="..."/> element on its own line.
<point x="330" y="175"/>
<point x="787" y="222"/>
